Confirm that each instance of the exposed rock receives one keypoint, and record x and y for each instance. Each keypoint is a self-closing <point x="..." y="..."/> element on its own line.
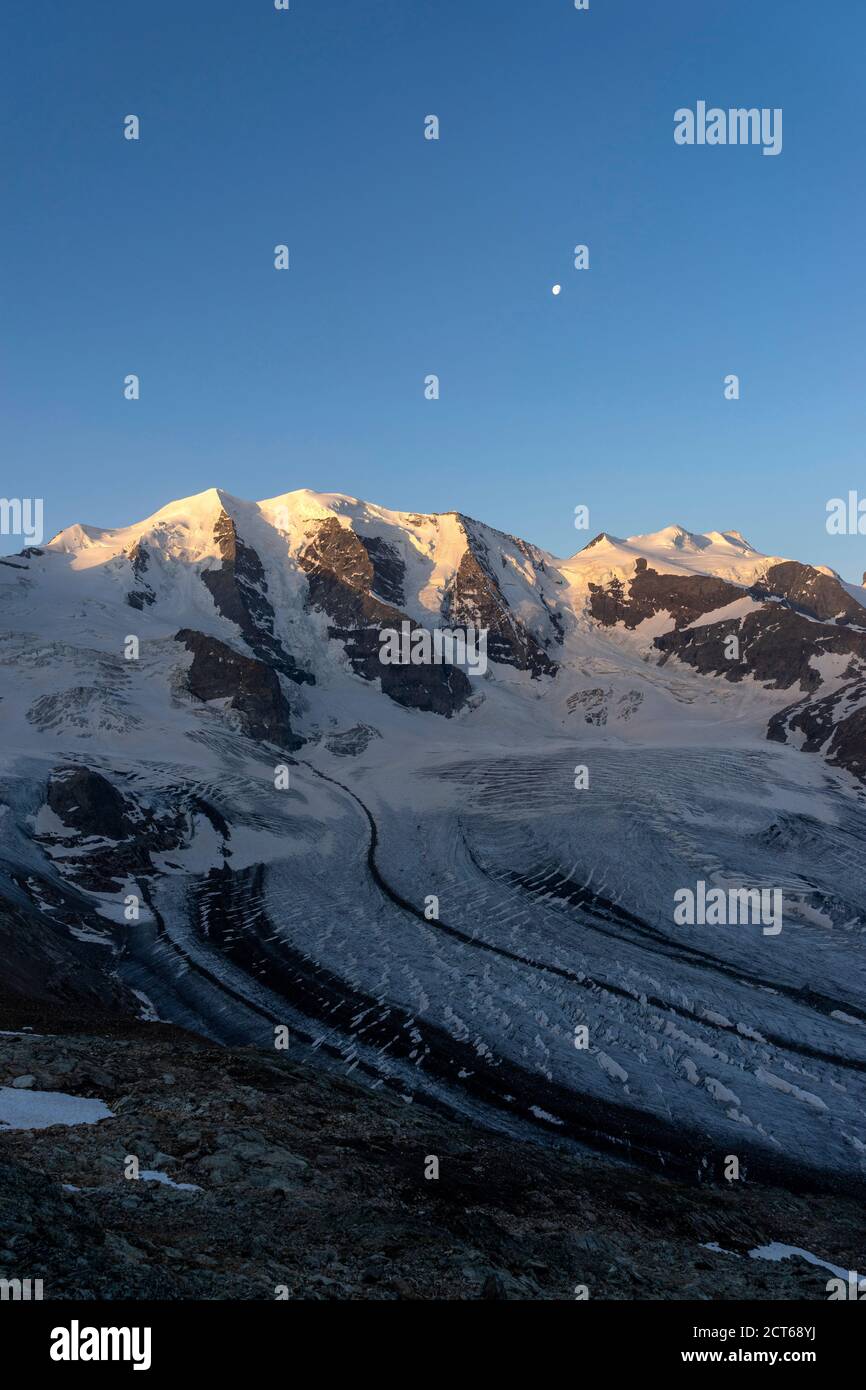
<point x="44" y="968"/>
<point x="598" y="705"/>
<point x="437" y="689"/>
<point x="685" y="597"/>
<point x="801" y="616"/>
<point x="139" y="559"/>
<point x="349" y="742"/>
<point x="114" y="835"/>
<point x="87" y="802"/>
<point x="777" y="646"/>
<point x="834" y="725"/>
<point x="252" y="689"/>
<point x="239" y="589"/>
<point x="307" y="1184"/>
<point x="341" y="579"/>
<point x="474" y="598"/>
<point x="342" y="575"/>
<point x="820" y="595"/>
<point x="389" y="571"/>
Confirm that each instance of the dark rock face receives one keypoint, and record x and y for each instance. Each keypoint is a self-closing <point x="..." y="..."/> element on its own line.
<point x="342" y="573"/>
<point x="114" y="833"/>
<point x="87" y="802"/>
<point x="776" y="646"/>
<point x="252" y="688"/>
<point x="342" y="577"/>
<point x="239" y="590"/>
<point x="834" y="725"/>
<point x="598" y="705"/>
<point x="389" y="571"/>
<point x="349" y="742"/>
<point x="685" y="597"/>
<point x="44" y="968"/>
<point x="474" y="598"/>
<point x="820" y="595"/>
<point x="803" y="615"/>
<point x="434" y="689"/>
<point x="139" y="559"/>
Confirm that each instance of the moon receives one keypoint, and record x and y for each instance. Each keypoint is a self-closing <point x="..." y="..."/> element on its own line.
<point x="556" y="289"/>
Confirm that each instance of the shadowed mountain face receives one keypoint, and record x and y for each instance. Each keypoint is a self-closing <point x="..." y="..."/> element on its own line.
<point x="239" y="589"/>
<point x="344" y="573"/>
<point x="792" y="623"/>
<point x="684" y="597"/>
<point x="233" y="814"/>
<point x="474" y="596"/>
<point x="249" y="687"/>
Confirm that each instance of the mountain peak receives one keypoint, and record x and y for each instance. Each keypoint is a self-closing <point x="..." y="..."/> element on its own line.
<point x="675" y="537"/>
<point x="679" y="537"/>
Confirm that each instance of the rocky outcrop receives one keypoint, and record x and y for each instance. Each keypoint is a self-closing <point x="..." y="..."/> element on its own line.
<point x="433" y="689"/>
<point x="86" y="801"/>
<point x="782" y="647"/>
<point x="474" y="598"/>
<point x="240" y="591"/>
<point x="685" y="597"/>
<point x="349" y="742"/>
<point x="598" y="705"/>
<point x="811" y="592"/>
<point x="139" y="558"/>
<point x="800" y="617"/>
<point x="389" y="570"/>
<point x="833" y="725"/>
<point x="105" y="837"/>
<point x="777" y="646"/>
<point x="342" y="573"/>
<point x="251" y="688"/>
<point x="342" y="579"/>
<point x="45" y="969"/>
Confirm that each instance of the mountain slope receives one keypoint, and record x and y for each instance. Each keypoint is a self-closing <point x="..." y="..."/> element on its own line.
<point x="212" y="781"/>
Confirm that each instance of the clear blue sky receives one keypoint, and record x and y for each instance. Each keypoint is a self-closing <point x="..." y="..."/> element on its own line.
<point x="411" y="257"/>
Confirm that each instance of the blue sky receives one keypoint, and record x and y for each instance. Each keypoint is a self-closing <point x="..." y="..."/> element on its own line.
<point x="411" y="257"/>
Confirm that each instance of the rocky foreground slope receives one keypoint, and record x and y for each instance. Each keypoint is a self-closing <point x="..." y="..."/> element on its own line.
<point x="279" y="1180"/>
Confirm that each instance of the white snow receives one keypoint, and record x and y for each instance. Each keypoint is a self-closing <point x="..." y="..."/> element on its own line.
<point x="155" y="1175"/>
<point x="776" y="1251"/>
<point x="42" y="1109"/>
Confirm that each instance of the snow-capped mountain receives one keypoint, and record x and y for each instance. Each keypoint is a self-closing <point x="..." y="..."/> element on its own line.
<point x="305" y="583"/>
<point x="221" y="806"/>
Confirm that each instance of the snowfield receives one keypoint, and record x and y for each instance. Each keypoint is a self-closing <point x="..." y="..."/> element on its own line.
<point x="24" y="1109"/>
